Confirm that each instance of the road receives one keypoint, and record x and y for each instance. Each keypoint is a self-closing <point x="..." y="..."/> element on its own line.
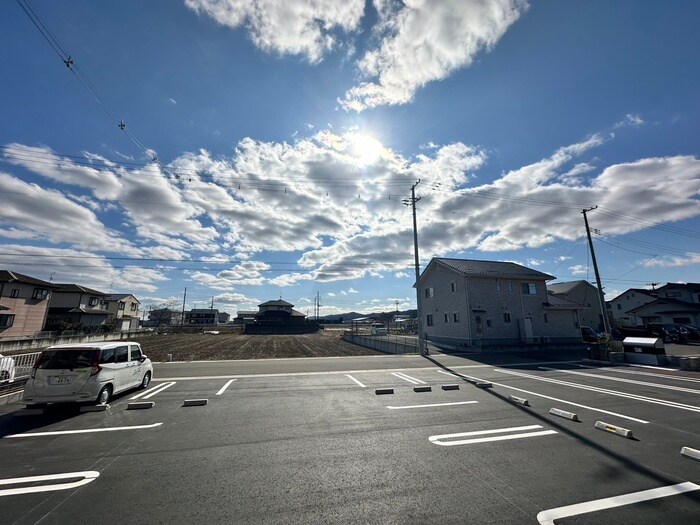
<point x="310" y="441"/>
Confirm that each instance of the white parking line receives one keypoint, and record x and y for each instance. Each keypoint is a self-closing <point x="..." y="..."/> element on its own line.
<point x="223" y="388"/>
<point x="438" y="440"/>
<point x="408" y="378"/>
<point x="153" y="391"/>
<point x="623" y="380"/>
<point x="619" y="370"/>
<point x="356" y="381"/>
<point x="87" y="477"/>
<point x="82" y="431"/>
<point x="434" y="405"/>
<point x="690" y="408"/>
<point x="547" y="517"/>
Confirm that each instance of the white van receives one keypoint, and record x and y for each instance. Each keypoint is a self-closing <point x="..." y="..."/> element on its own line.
<point x="88" y="372"/>
<point x="378" y="329"/>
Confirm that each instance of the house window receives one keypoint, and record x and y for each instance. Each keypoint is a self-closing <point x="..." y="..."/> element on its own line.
<point x="510" y="286"/>
<point x="14" y="294"/>
<point x="619" y="306"/>
<point x="498" y="286"/>
<point x="133" y="307"/>
<point x="429" y="319"/>
<point x="40" y="293"/>
<point x="488" y="323"/>
<point x="429" y="292"/>
<point x="94" y="301"/>
<point x="6" y="320"/>
<point x="506" y="317"/>
<point x="122" y="305"/>
<point x="546" y="319"/>
<point x="447" y="317"/>
<point x="453" y="286"/>
<point x="455" y="317"/>
<point x="529" y="289"/>
<point x="673" y="294"/>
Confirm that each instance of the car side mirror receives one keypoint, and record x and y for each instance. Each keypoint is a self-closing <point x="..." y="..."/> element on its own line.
<point x="143" y="358"/>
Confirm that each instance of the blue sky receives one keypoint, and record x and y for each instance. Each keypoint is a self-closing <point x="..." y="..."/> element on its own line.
<point x="287" y="133"/>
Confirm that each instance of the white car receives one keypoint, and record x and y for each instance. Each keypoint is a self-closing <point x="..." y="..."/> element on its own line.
<point x="88" y="372"/>
<point x="378" y="329"/>
<point x="7" y="369"/>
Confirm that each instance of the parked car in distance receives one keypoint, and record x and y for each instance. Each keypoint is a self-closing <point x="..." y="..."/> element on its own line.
<point x="588" y="335"/>
<point x="668" y="332"/>
<point x="87" y="372"/>
<point x="7" y="369"/>
<point x="688" y="333"/>
<point x="378" y="329"/>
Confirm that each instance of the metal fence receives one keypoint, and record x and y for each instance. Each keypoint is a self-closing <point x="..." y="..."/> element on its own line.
<point x="391" y="344"/>
<point x="15" y="370"/>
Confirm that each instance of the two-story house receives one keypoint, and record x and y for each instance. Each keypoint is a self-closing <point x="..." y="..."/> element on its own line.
<point x="585" y="295"/>
<point x="73" y="306"/>
<point x="674" y="303"/>
<point x="24" y="303"/>
<point x="123" y="310"/>
<point x="164" y="317"/>
<point x="472" y="302"/>
<point x="202" y="317"/>
<point x="622" y="307"/>
<point x="278" y="313"/>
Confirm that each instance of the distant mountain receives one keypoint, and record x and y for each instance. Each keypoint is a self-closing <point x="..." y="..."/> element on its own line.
<point x="379" y="316"/>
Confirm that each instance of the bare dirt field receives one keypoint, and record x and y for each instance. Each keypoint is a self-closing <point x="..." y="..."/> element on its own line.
<point x="189" y="347"/>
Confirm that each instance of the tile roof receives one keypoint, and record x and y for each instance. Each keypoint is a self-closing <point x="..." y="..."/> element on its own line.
<point x="8" y="276"/>
<point x="76" y="288"/>
<point x="278" y="302"/>
<point x="494" y="269"/>
<point x="565" y="287"/>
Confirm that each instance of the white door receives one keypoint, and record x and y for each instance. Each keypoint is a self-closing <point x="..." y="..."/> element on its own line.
<point x="121" y="368"/>
<point x="528" y="328"/>
<point x="136" y="370"/>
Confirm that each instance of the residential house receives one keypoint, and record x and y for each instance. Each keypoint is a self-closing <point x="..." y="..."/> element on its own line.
<point x="585" y="295"/>
<point x="687" y="292"/>
<point x="622" y="306"/>
<point x="224" y="318"/>
<point x="24" y="302"/>
<point x="76" y="307"/>
<point x="472" y="302"/>
<point x="201" y="317"/>
<point x="164" y="317"/>
<point x="278" y="313"/>
<point x="245" y="317"/>
<point x="123" y="311"/>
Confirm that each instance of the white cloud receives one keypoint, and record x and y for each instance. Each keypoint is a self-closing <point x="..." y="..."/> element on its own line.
<point x="578" y="269"/>
<point x="631" y="119"/>
<point x="172" y="101"/>
<point x="289" y="27"/>
<point x="688" y="259"/>
<point x="424" y="41"/>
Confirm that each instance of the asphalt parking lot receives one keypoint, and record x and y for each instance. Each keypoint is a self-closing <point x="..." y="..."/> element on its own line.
<point x="310" y="441"/>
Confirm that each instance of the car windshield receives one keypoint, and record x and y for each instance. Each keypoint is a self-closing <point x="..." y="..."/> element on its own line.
<point x="62" y="359"/>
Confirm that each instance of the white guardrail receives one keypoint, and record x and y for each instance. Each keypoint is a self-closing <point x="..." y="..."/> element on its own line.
<point x="16" y="368"/>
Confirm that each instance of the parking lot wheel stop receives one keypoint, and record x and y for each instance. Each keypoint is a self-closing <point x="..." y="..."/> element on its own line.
<point x="94" y="408"/>
<point x="483" y="384"/>
<point x="690" y="453"/>
<point x="195" y="402"/>
<point x="140" y="405"/>
<point x="383" y="391"/>
<point x="564" y="414"/>
<point x="450" y="387"/>
<point x="614" y="429"/>
<point x="519" y="400"/>
<point x="422" y="389"/>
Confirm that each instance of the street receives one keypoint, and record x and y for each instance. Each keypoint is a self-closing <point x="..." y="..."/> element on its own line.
<point x="311" y="441"/>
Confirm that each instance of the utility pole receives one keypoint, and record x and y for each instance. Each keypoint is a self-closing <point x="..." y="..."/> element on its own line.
<point x="419" y="302"/>
<point x="184" y="299"/>
<point x="318" y="305"/>
<point x="601" y="295"/>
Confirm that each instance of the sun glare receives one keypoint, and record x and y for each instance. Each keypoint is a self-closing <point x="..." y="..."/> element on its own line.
<point x="366" y="149"/>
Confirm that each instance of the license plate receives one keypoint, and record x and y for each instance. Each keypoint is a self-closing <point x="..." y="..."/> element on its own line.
<point x="58" y="380"/>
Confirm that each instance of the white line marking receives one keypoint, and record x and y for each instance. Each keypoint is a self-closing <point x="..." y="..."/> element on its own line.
<point x="547" y="517"/>
<point x="408" y="378"/>
<point x="88" y="476"/>
<point x="356" y="381"/>
<point x="638" y="373"/>
<point x="437" y="440"/>
<point x="655" y="367"/>
<point x="83" y="431"/>
<point x="434" y="405"/>
<point x="223" y="388"/>
<point x="623" y="380"/>
<point x="141" y="394"/>
<point x="636" y="397"/>
<point x="154" y="391"/>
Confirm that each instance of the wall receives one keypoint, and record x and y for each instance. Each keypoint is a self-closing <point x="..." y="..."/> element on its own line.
<point x="29" y="313"/>
<point x="14" y="345"/>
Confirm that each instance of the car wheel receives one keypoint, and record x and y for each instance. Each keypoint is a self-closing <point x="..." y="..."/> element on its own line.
<point x="105" y="395"/>
<point x="146" y="380"/>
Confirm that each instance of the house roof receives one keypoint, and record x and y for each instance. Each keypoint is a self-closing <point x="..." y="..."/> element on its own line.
<point x="649" y="293"/>
<point x="278" y="302"/>
<point x="77" y="310"/>
<point x="119" y="297"/>
<point x="564" y="288"/>
<point x="494" y="269"/>
<point x="690" y="287"/>
<point x="8" y="276"/>
<point x="675" y="306"/>
<point x="557" y="303"/>
<point x="76" y="288"/>
<point x="241" y="313"/>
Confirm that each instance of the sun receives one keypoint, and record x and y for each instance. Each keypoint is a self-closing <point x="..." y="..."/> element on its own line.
<point x="366" y="149"/>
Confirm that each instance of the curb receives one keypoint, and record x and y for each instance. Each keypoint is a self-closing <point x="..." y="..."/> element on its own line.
<point x="614" y="429"/>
